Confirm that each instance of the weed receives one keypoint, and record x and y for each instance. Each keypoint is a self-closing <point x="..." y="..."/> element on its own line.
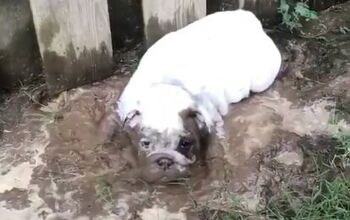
<point x="344" y="30"/>
<point x="49" y="113"/>
<point x="232" y="216"/>
<point x="293" y="14"/>
<point x="210" y="214"/>
<point x="104" y="193"/>
<point x="329" y="200"/>
<point x="342" y="157"/>
<point x="236" y="211"/>
<point x="334" y="117"/>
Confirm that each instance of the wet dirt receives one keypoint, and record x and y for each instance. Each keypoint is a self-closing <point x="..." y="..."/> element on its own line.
<point x="56" y="162"/>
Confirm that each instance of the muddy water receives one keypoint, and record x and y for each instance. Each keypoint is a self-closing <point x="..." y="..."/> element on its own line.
<point x="58" y="163"/>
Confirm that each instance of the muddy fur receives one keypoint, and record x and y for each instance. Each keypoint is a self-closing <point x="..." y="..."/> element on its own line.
<point x="140" y="164"/>
<point x="186" y="82"/>
<point x="201" y="135"/>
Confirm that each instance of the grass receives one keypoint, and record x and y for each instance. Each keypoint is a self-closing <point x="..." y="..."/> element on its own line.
<point x="330" y="199"/>
<point x="49" y="113"/>
<point x="222" y="215"/>
<point x="25" y="96"/>
<point x="104" y="193"/>
<point x="342" y="157"/>
<point x="235" y="209"/>
<point x="344" y="30"/>
<point x="237" y="212"/>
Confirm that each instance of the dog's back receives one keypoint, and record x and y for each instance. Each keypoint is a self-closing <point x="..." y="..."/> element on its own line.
<point x="219" y="58"/>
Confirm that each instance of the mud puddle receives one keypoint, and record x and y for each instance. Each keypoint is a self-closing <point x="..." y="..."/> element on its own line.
<point x="57" y="164"/>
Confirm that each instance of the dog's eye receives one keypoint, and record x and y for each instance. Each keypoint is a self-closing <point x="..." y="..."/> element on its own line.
<point x="145" y="143"/>
<point x="185" y="144"/>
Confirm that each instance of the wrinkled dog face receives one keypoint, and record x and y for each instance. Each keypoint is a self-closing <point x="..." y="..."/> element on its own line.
<point x="166" y="156"/>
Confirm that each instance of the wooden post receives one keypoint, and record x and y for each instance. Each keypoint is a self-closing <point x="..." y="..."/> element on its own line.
<point x="75" y="41"/>
<point x="163" y="16"/>
<point x="20" y="60"/>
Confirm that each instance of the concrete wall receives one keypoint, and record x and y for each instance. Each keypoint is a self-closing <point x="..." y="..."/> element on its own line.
<point x="19" y="53"/>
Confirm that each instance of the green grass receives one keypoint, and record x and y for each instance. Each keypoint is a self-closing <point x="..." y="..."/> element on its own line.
<point x="104" y="193"/>
<point x="327" y="196"/>
<point x="222" y="215"/>
<point x="234" y="208"/>
<point x="330" y="199"/>
<point x="342" y="157"/>
<point x="237" y="212"/>
<point x="233" y="216"/>
<point x="344" y="30"/>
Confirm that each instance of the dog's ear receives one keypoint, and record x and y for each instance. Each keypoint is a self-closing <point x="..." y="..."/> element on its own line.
<point x="194" y="119"/>
<point x="195" y="123"/>
<point x="194" y="114"/>
<point x="132" y="119"/>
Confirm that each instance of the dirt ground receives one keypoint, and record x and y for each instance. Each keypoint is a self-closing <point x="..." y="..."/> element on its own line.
<point x="55" y="162"/>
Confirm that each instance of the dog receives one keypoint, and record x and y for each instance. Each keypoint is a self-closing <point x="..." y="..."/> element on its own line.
<point x="185" y="83"/>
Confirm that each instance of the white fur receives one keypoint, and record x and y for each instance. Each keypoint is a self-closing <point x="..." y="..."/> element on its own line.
<point x="207" y="65"/>
<point x="162" y="102"/>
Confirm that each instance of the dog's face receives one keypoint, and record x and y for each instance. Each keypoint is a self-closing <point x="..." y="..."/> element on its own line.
<point x="167" y="155"/>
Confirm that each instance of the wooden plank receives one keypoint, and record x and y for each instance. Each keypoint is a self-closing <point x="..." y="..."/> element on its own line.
<point x="20" y="61"/>
<point x="75" y="41"/>
<point x="163" y="16"/>
<point x="265" y="10"/>
<point x="126" y="23"/>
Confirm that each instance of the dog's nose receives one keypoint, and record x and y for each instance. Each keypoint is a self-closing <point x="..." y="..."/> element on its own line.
<point x="164" y="163"/>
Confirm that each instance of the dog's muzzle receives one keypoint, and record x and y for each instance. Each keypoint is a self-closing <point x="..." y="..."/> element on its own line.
<point x="165" y="159"/>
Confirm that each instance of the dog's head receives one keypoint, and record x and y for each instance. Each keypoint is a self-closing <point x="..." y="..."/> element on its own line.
<point x="169" y="140"/>
<point x="167" y="155"/>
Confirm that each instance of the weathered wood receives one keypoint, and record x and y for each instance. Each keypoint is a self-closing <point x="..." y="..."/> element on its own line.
<point x="126" y="23"/>
<point x="163" y="16"/>
<point x="20" y="60"/>
<point x="75" y="41"/>
<point x="265" y="10"/>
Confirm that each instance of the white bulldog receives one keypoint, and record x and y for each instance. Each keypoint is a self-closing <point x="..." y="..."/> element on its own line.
<point x="185" y="83"/>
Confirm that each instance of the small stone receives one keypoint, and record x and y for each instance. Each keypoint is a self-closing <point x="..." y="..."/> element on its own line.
<point x="290" y="158"/>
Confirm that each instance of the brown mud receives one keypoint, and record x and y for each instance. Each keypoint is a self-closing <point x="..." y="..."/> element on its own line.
<point x="56" y="162"/>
